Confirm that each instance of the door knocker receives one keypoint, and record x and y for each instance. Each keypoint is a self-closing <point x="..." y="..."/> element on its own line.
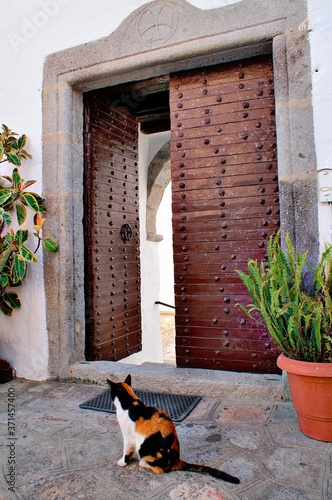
<point x="126" y="232"/>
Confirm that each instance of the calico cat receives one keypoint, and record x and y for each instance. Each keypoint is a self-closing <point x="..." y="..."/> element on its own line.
<point x="150" y="433"/>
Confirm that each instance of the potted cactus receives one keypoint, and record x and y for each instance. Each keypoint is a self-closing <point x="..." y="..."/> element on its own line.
<point x="294" y="303"/>
<point x="16" y="201"/>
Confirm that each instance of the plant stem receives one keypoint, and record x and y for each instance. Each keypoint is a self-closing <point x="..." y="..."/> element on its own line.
<point x="38" y="245"/>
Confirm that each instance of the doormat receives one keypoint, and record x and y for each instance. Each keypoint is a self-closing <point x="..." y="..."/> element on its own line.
<point x="177" y="406"/>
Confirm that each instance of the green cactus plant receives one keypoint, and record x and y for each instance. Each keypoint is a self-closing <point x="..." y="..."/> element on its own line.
<point x="15" y="198"/>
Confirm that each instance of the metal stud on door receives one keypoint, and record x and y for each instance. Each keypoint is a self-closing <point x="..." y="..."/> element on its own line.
<point x="225" y="206"/>
<point x="112" y="285"/>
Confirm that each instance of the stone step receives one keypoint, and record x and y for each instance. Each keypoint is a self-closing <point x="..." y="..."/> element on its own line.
<point x="156" y="377"/>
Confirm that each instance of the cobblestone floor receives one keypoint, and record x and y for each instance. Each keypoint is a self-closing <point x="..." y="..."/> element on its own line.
<point x="167" y="328"/>
<point x="59" y="451"/>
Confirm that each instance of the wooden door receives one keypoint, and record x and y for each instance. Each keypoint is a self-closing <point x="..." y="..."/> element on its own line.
<point x="225" y="207"/>
<point x="112" y="271"/>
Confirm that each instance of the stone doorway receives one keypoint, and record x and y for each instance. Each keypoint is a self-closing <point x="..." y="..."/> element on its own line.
<point x="194" y="38"/>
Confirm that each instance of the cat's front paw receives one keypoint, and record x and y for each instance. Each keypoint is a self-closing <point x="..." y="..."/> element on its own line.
<point x="122" y="463"/>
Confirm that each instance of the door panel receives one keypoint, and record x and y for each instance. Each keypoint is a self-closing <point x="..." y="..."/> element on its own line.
<point x="112" y="283"/>
<point x="225" y="207"/>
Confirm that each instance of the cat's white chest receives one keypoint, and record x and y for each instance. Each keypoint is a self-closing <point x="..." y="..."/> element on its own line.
<point x="126" y="424"/>
<point x="127" y="427"/>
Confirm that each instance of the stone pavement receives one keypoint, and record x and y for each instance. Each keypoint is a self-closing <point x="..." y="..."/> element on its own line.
<point x="59" y="451"/>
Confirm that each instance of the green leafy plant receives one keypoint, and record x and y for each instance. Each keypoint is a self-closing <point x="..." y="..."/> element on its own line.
<point x="294" y="301"/>
<point x="16" y="198"/>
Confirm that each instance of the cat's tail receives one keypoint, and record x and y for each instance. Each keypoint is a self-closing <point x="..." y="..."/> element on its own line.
<point x="204" y="469"/>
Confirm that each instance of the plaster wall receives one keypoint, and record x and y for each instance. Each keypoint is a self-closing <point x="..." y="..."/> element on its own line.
<point x="165" y="248"/>
<point x="320" y="29"/>
<point x="31" y="30"/>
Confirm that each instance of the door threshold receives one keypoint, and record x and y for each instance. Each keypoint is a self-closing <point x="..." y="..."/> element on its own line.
<point x="169" y="378"/>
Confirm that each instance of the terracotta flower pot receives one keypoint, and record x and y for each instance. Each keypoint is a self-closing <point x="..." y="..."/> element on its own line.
<point x="311" y="389"/>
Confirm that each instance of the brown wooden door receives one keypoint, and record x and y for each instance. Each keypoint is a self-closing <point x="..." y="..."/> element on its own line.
<point x="225" y="206"/>
<point x="112" y="284"/>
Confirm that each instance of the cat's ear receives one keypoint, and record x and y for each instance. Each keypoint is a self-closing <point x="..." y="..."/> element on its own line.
<point x="128" y="380"/>
<point x="110" y="383"/>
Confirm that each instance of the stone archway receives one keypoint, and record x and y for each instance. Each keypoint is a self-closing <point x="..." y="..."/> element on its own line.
<point x="159" y="176"/>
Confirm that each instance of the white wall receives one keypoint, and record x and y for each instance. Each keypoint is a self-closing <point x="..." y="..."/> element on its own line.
<point x="165" y="248"/>
<point x="320" y="26"/>
<point x="32" y="29"/>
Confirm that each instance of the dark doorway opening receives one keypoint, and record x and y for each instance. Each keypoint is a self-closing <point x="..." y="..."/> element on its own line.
<point x="224" y="203"/>
<point x="147" y="101"/>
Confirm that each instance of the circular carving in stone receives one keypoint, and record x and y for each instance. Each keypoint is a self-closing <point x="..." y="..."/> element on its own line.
<point x="158" y="22"/>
